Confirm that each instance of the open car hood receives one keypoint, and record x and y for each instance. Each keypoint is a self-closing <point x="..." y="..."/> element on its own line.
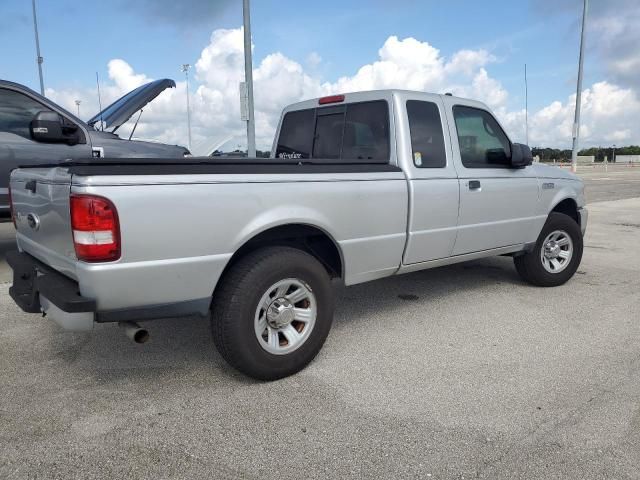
<point x="122" y="109"/>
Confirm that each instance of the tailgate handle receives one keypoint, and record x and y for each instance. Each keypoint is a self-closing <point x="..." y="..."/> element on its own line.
<point x="31" y="186"/>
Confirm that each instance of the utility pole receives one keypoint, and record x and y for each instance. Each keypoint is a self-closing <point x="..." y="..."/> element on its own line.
<point x="576" y="122"/>
<point x="78" y="105"/>
<point x="248" y="77"/>
<point x="526" y="106"/>
<point x="39" y="59"/>
<point x="185" y="69"/>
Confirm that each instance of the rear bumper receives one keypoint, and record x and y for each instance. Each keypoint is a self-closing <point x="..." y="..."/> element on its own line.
<point x="37" y="288"/>
<point x="584" y="217"/>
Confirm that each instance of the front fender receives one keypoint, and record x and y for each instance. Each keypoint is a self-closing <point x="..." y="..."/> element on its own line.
<point x="564" y="189"/>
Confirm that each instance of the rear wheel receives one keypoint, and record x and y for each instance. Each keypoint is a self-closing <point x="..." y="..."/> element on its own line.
<point x="556" y="255"/>
<point x="272" y="312"/>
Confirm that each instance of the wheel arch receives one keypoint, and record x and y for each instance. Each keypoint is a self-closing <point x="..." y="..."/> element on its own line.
<point x="309" y="238"/>
<point x="567" y="206"/>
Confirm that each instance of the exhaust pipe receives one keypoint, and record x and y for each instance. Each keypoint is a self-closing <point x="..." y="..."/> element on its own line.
<point x="134" y="331"/>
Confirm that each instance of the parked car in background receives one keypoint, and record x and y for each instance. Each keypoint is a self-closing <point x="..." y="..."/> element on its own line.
<point x="33" y="130"/>
<point x="362" y="186"/>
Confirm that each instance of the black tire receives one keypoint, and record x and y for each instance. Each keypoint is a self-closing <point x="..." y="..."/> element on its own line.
<point x="236" y="299"/>
<point x="530" y="265"/>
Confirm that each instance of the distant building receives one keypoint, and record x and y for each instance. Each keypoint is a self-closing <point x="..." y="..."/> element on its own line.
<point x="627" y="158"/>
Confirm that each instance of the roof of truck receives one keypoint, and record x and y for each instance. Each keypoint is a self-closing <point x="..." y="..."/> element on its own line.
<point x="366" y="96"/>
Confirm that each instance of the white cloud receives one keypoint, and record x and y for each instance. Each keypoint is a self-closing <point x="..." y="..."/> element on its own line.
<point x="124" y="77"/>
<point x="408" y="64"/>
<point x="484" y="88"/>
<point x="609" y="115"/>
<point x="314" y="60"/>
<point x="609" y="110"/>
<point x="468" y="61"/>
<point x="612" y="34"/>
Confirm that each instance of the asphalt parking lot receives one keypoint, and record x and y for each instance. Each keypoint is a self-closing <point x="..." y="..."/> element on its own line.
<point x="616" y="183"/>
<point x="457" y="372"/>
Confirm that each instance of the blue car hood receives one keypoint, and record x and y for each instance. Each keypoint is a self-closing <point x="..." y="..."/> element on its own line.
<point x="122" y="109"/>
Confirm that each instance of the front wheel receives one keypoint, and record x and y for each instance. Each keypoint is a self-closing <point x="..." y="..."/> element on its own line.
<point x="556" y="255"/>
<point x="272" y="312"/>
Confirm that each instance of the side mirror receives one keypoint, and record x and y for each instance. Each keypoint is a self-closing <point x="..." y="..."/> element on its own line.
<point x="50" y="127"/>
<point x="521" y="155"/>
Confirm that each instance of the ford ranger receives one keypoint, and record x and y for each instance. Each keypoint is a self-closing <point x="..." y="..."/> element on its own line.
<point x="359" y="187"/>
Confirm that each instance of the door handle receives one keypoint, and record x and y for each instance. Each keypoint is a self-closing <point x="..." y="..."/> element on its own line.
<point x="474" y="184"/>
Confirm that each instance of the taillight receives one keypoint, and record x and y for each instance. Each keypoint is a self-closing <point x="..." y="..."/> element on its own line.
<point x="13" y="215"/>
<point x="331" y="99"/>
<point x="96" y="231"/>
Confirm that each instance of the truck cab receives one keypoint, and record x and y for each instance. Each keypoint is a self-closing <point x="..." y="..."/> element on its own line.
<point x="470" y="189"/>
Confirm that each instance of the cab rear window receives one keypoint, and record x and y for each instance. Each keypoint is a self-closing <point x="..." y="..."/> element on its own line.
<point x="352" y="132"/>
<point x="296" y="135"/>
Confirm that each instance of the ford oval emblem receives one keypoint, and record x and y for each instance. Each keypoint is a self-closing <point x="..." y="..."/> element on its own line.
<point x="33" y="221"/>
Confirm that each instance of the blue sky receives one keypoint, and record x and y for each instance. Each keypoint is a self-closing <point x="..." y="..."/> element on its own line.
<point x="79" y="39"/>
<point x="154" y="38"/>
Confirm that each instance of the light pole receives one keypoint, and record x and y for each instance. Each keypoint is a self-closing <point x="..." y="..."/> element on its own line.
<point x="526" y="106"/>
<point x="185" y="69"/>
<point x="39" y="59"/>
<point x="78" y="105"/>
<point x="248" y="77"/>
<point x="613" y="156"/>
<point x="576" y="122"/>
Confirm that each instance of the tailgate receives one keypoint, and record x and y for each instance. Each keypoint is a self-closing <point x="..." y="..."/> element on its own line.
<point x="40" y="198"/>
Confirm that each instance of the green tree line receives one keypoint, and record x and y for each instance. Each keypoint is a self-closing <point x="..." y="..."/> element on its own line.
<point x="560" y="155"/>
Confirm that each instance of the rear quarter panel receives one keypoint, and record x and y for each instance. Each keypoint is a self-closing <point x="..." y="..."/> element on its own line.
<point x="178" y="234"/>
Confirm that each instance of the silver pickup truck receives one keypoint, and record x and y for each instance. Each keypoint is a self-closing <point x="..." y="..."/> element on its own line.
<point x="359" y="187"/>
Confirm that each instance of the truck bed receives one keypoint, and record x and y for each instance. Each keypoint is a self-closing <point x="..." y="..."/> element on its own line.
<point x="181" y="221"/>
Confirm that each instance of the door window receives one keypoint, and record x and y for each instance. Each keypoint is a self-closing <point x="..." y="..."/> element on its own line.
<point x="366" y="131"/>
<point x="16" y="112"/>
<point x="427" y="139"/>
<point x="482" y="142"/>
